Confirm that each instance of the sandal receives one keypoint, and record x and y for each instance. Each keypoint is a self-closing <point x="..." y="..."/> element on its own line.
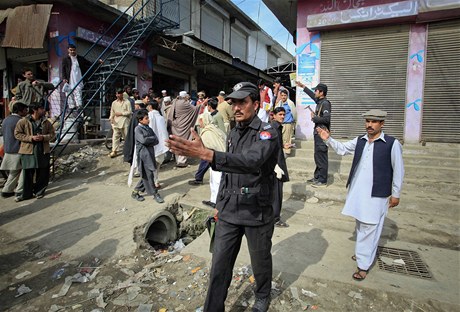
<point x="353" y="257"/>
<point x="358" y="276"/>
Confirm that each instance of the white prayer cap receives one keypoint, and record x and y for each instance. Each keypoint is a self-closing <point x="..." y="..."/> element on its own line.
<point x="167" y="99"/>
<point x="182" y="93"/>
<point x="163" y="91"/>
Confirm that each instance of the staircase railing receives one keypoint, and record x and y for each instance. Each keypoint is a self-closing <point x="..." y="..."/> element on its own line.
<point x="148" y="16"/>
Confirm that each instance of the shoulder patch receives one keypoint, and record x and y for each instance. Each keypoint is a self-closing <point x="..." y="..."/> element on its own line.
<point x="265" y="135"/>
<point x="267" y="127"/>
<point x="326" y="111"/>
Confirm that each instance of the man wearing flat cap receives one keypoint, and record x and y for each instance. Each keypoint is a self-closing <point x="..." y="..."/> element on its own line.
<point x="322" y="119"/>
<point x="244" y="203"/>
<point x="374" y="184"/>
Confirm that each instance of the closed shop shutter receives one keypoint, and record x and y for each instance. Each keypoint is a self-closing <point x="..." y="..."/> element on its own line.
<point x="365" y="69"/>
<point x="441" y="100"/>
<point x="212" y="28"/>
<point x="238" y="44"/>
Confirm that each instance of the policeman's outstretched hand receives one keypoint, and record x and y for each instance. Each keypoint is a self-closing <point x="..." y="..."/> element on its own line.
<point x="323" y="133"/>
<point x="194" y="148"/>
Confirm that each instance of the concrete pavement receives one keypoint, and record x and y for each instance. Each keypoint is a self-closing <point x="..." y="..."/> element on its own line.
<point x="93" y="214"/>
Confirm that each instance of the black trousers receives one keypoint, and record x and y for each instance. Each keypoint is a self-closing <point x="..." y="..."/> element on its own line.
<point x="42" y="177"/>
<point x="202" y="168"/>
<point x="278" y="198"/>
<point x="321" y="159"/>
<point x="227" y="243"/>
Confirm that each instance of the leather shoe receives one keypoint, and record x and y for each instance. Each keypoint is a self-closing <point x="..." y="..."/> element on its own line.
<point x="261" y="304"/>
<point x="158" y="198"/>
<point x="319" y="184"/>
<point x="137" y="196"/>
<point x="7" y="194"/>
<point x="195" y="182"/>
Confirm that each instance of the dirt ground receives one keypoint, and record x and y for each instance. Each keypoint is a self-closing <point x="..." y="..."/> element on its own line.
<point x="164" y="280"/>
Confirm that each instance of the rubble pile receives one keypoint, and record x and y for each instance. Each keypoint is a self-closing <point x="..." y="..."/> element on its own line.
<point x="151" y="280"/>
<point x="84" y="160"/>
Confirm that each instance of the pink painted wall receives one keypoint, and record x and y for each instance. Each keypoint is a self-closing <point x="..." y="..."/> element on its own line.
<point x="61" y="27"/>
<point x="415" y="83"/>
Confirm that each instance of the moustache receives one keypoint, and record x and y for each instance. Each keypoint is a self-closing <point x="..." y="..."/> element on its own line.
<point x="369" y="128"/>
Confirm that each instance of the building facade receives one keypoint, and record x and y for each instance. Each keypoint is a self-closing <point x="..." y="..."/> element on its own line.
<point x="398" y="56"/>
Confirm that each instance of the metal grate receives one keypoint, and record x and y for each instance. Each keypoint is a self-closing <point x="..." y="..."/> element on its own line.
<point x="413" y="264"/>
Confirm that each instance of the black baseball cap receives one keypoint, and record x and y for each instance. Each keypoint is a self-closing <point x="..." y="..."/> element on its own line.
<point x="321" y="87"/>
<point x="242" y="90"/>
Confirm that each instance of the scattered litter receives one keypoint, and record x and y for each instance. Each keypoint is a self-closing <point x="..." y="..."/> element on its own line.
<point x="100" y="301"/>
<point x="274" y="286"/>
<point x="295" y="293"/>
<point x="58" y="273"/>
<point x="121" y="210"/>
<point x="176" y="258"/>
<point x="312" y="200"/>
<point x="41" y="254"/>
<point x="40" y="262"/>
<point x="133" y="292"/>
<point x="321" y="284"/>
<point x="145" y="308"/>
<point x="187" y="258"/>
<point x="55" y="308"/>
<point x="355" y="295"/>
<point x="252" y="279"/>
<point x="102" y="173"/>
<point x="178" y="246"/>
<point x="56" y="255"/>
<point x="386" y="260"/>
<point x="93" y="293"/>
<point x="199" y="309"/>
<point x="309" y="293"/>
<point x="189" y="215"/>
<point x="399" y="262"/>
<point x="196" y="270"/>
<point x="90" y="266"/>
<point x="163" y="310"/>
<point x="42" y="291"/>
<point x="314" y="307"/>
<point x="65" y="288"/>
<point x="22" y="275"/>
<point x="23" y="289"/>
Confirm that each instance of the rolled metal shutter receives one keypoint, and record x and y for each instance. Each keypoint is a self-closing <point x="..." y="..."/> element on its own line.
<point x="365" y="69"/>
<point x="441" y="100"/>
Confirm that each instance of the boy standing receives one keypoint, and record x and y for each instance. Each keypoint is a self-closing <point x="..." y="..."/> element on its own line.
<point x="145" y="140"/>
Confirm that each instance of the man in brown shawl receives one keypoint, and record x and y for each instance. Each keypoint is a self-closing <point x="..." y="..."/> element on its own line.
<point x="182" y="116"/>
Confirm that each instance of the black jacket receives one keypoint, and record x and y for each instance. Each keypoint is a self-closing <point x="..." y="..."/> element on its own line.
<point x="246" y="188"/>
<point x="322" y="111"/>
<point x="67" y="66"/>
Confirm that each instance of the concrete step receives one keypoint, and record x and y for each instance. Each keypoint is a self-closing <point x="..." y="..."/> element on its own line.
<point x="439" y="149"/>
<point x="439" y="162"/>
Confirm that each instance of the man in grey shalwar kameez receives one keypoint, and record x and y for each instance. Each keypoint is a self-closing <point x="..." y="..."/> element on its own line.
<point x="375" y="182"/>
<point x="182" y="116"/>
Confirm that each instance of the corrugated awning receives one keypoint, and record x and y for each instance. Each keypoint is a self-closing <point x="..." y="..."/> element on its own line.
<point x="26" y="26"/>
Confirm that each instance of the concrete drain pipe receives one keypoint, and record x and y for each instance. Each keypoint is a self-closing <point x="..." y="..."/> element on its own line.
<point x="161" y="229"/>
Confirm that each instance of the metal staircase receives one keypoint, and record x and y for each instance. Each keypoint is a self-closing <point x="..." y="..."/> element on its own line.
<point x="145" y="17"/>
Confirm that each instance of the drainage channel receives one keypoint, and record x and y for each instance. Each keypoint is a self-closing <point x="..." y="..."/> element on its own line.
<point x="178" y="221"/>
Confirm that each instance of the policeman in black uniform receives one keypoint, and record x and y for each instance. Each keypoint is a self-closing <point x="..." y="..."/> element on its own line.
<point x="322" y="118"/>
<point x="244" y="203"/>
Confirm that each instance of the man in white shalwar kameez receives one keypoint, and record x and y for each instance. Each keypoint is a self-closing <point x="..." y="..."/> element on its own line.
<point x="158" y="125"/>
<point x="374" y="184"/>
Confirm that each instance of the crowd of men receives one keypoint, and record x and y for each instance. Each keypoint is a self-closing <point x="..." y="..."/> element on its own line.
<point x="243" y="139"/>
